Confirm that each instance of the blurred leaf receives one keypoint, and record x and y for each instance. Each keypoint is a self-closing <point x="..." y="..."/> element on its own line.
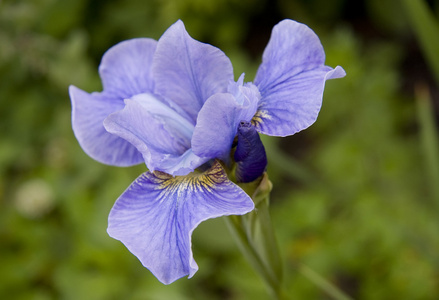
<point x="429" y="138"/>
<point x="426" y="28"/>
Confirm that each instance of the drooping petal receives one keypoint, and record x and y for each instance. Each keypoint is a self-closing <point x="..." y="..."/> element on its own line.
<point x="291" y="80"/>
<point x="125" y="68"/>
<point x="189" y="72"/>
<point x="156" y="215"/>
<point x="218" y="120"/>
<point x="250" y="156"/>
<point x="88" y="114"/>
<point x="158" y="132"/>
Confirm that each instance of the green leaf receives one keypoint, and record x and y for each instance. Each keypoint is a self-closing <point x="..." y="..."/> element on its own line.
<point x="428" y="138"/>
<point x="427" y="31"/>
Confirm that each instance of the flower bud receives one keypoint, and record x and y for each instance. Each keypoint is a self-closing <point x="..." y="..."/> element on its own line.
<point x="250" y="156"/>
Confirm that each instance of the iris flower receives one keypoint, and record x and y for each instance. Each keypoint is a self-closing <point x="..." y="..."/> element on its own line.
<point x="174" y="105"/>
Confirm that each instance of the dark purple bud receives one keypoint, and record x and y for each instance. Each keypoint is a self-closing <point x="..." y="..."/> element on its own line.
<point x="250" y="156"/>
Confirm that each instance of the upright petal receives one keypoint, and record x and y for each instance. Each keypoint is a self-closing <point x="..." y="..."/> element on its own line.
<point x="189" y="72"/>
<point x="88" y="114"/>
<point x="291" y="80"/>
<point x="158" y="132"/>
<point x="293" y="105"/>
<point x="125" y="68"/>
<point x="218" y="120"/>
<point x="156" y="215"/>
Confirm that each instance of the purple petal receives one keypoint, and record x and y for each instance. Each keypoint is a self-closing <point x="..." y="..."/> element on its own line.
<point x="88" y="114"/>
<point x="189" y="72"/>
<point x="158" y="132"/>
<point x="218" y="120"/>
<point x="156" y="215"/>
<point x="291" y="80"/>
<point x="125" y="68"/>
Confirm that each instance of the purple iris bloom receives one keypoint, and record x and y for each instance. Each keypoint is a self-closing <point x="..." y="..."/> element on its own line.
<point x="173" y="104"/>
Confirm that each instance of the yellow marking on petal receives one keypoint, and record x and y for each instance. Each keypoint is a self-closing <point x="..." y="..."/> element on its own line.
<point x="192" y="182"/>
<point x="259" y="116"/>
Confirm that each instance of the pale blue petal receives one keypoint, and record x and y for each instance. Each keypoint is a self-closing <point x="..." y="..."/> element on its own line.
<point x="88" y="114"/>
<point x="158" y="132"/>
<point x="293" y="105"/>
<point x="125" y="68"/>
<point x="291" y="80"/>
<point x="188" y="72"/>
<point x="219" y="118"/>
<point x="156" y="215"/>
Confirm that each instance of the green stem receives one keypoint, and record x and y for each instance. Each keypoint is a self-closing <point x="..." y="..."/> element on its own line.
<point x="324" y="284"/>
<point x="236" y="227"/>
<point x="255" y="238"/>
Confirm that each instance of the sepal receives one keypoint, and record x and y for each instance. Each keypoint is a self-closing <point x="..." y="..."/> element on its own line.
<point x="156" y="215"/>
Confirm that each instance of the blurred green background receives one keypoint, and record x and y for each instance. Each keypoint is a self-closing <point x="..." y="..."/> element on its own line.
<point x="356" y="196"/>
